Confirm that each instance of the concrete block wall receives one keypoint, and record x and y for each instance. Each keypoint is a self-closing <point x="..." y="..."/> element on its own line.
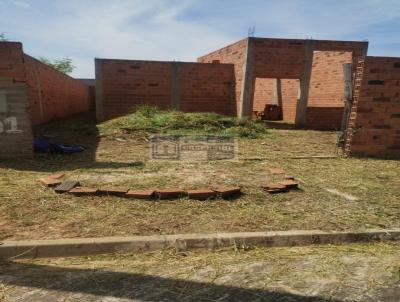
<point x="52" y="94"/>
<point x="15" y="127"/>
<point x="374" y="124"/>
<point x="122" y="85"/>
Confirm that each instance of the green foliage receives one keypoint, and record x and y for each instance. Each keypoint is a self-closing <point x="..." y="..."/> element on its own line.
<point x="3" y="37"/>
<point x="63" y="65"/>
<point x="149" y="119"/>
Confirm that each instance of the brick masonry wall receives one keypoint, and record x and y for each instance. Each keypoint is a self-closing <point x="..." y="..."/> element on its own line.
<point x="91" y="83"/>
<point x="325" y="103"/>
<point x="207" y="87"/>
<point x="12" y="69"/>
<point x="52" y="94"/>
<point x="122" y="85"/>
<point x="15" y="127"/>
<point x="326" y="96"/>
<point x="231" y="54"/>
<point x="264" y="91"/>
<point x="374" y="125"/>
<point x="290" y="94"/>
<point x="285" y="59"/>
<point x="278" y="58"/>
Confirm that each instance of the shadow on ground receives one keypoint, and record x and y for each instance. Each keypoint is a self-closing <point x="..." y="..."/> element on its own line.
<point x="77" y="130"/>
<point x="281" y="125"/>
<point x="125" y="285"/>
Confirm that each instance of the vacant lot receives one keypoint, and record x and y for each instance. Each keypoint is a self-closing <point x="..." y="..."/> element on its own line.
<point x="364" y="273"/>
<point x="121" y="158"/>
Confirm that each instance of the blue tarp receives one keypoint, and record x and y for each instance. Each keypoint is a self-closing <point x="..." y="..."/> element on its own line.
<point x="44" y="145"/>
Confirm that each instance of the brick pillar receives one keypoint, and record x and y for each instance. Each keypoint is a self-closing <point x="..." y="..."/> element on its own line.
<point x="99" y="89"/>
<point x="175" y="85"/>
<point x="247" y="92"/>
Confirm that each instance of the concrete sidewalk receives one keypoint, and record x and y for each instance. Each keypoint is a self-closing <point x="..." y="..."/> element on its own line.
<point x="105" y="245"/>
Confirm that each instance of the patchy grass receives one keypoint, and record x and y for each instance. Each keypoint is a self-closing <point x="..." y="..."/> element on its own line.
<point x="28" y="210"/>
<point x="149" y="119"/>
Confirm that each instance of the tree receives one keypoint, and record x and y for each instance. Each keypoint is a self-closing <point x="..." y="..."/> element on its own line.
<point x="63" y="65"/>
<point x="3" y="37"/>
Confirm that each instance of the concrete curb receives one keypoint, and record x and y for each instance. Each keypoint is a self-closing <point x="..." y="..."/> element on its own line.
<point x="95" y="246"/>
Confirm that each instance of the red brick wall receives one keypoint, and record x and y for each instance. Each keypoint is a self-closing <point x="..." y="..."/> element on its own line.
<point x="325" y="102"/>
<point x="12" y="70"/>
<point x="52" y="94"/>
<point x="284" y="59"/>
<point x="327" y="80"/>
<point x="125" y="84"/>
<point x="231" y="54"/>
<point x="207" y="87"/>
<point x="264" y="90"/>
<point x="91" y="83"/>
<point x="374" y="125"/>
<point x="15" y="127"/>
<point x="278" y="58"/>
<point x="290" y="94"/>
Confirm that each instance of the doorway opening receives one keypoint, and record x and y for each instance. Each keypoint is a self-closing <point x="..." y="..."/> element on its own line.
<point x="275" y="100"/>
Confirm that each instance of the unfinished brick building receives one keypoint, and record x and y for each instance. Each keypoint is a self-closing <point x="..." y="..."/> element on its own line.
<point x="32" y="93"/>
<point x="374" y="123"/>
<point x="121" y="85"/>
<point x="310" y="81"/>
<point x="304" y="77"/>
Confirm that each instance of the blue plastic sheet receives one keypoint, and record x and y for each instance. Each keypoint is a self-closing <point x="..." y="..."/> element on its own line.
<point x="45" y="146"/>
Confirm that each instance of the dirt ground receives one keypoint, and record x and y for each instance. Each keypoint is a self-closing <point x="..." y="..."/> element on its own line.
<point x="335" y="194"/>
<point x="364" y="273"/>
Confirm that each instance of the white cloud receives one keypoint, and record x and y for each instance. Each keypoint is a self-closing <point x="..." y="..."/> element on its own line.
<point x="119" y="29"/>
<point x="20" y="3"/>
<point x="155" y="29"/>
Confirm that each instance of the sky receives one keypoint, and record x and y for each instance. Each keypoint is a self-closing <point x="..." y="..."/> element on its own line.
<point x="183" y="30"/>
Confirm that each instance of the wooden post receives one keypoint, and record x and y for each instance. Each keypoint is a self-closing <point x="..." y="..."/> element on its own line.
<point x="247" y="93"/>
<point x="302" y="102"/>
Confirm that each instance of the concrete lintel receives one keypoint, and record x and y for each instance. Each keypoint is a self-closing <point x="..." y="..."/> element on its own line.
<point x="94" y="246"/>
<point x="302" y="102"/>
<point x="99" y="89"/>
<point x="175" y="85"/>
<point x="247" y="91"/>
